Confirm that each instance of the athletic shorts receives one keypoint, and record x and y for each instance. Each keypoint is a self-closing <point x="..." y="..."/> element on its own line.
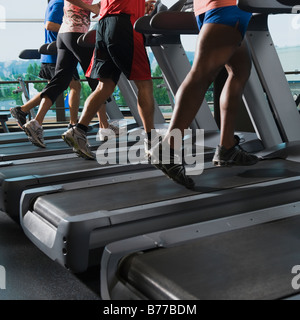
<point x="230" y="16"/>
<point x="119" y="48"/>
<point x="47" y="72"/>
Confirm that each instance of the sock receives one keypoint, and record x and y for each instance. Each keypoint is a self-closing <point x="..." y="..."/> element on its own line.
<point x="151" y="135"/>
<point x="24" y="112"/>
<point x="82" y="127"/>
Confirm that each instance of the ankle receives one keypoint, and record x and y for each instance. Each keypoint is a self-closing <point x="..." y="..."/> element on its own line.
<point x="82" y="127"/>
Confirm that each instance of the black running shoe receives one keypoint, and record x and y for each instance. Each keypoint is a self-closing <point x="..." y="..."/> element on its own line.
<point x="174" y="170"/>
<point x="236" y="156"/>
<point x="20" y="116"/>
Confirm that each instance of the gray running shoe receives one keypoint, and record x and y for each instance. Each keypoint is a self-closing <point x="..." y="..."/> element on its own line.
<point x="174" y="170"/>
<point x="236" y="156"/>
<point x="77" y="139"/>
<point x="20" y="116"/>
<point x="35" y="133"/>
<point x="110" y="133"/>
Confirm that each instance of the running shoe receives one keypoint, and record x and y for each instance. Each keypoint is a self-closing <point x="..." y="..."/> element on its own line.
<point x="20" y="116"/>
<point x="76" y="138"/>
<point x="70" y="125"/>
<point x="109" y="133"/>
<point x="235" y="156"/>
<point x="35" y="133"/>
<point x="171" y="167"/>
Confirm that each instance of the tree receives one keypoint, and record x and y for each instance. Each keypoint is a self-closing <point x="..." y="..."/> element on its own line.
<point x="159" y="89"/>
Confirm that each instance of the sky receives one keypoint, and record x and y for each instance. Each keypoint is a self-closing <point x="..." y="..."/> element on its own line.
<point x="14" y="37"/>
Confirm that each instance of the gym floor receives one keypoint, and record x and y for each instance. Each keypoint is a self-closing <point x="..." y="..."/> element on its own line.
<point x="31" y="275"/>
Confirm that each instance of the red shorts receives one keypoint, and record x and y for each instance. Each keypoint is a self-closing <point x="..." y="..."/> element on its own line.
<point x="119" y="48"/>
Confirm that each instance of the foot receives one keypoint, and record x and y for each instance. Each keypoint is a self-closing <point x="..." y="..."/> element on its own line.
<point x="77" y="139"/>
<point x="109" y="133"/>
<point x="20" y="116"/>
<point x="235" y="156"/>
<point x="35" y="132"/>
<point x="171" y="167"/>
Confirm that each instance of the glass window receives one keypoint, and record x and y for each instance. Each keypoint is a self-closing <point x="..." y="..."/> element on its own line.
<point x="285" y="32"/>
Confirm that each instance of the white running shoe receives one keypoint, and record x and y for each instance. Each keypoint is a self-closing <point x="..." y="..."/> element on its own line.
<point x="111" y="132"/>
<point x="77" y="139"/>
<point x="35" y="132"/>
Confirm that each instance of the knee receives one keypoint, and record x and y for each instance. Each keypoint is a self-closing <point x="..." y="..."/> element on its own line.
<point x="144" y="85"/>
<point x="242" y="73"/>
<point x="75" y="85"/>
<point x="239" y="78"/>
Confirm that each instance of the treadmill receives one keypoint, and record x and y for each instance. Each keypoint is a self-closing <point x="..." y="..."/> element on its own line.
<point x="134" y="204"/>
<point x="24" y="165"/>
<point x="245" y="256"/>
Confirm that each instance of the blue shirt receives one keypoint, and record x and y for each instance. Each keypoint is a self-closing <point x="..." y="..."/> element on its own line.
<point x="54" y="13"/>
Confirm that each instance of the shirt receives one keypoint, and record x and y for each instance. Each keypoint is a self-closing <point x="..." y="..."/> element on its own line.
<point x="75" y="19"/>
<point x="134" y="8"/>
<point x="201" y="6"/>
<point x="54" y="13"/>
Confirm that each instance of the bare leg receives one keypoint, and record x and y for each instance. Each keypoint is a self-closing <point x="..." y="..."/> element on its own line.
<point x="103" y="123"/>
<point x="33" y="102"/>
<point x="45" y="105"/>
<point x="146" y="103"/>
<point x="74" y="100"/>
<point x="215" y="47"/>
<point x="96" y="99"/>
<point x="238" y="67"/>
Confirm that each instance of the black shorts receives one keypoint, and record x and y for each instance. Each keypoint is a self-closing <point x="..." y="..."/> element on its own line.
<point x="119" y="48"/>
<point x="47" y="72"/>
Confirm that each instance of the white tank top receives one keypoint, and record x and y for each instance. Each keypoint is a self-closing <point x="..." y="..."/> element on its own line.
<point x="75" y="19"/>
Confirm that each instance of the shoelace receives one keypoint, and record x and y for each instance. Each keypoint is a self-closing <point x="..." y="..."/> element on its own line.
<point x="39" y="133"/>
<point x="114" y="129"/>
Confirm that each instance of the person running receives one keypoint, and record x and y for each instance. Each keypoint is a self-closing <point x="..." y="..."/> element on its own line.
<point x="75" y="23"/>
<point x="220" y="43"/>
<point x="119" y="48"/>
<point x="53" y="20"/>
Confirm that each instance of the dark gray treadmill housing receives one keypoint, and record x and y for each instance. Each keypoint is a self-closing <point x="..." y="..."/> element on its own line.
<point x="17" y="177"/>
<point x="72" y="224"/>
<point x="25" y="150"/>
<point x="20" y="136"/>
<point x="289" y="2"/>
<point x="19" y="149"/>
<point x="246" y="257"/>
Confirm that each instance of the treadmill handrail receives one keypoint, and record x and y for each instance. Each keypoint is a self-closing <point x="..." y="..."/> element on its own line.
<point x="264" y="6"/>
<point x="171" y="22"/>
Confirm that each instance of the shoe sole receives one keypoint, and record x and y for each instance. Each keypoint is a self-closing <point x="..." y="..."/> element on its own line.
<point x="222" y="163"/>
<point x="165" y="172"/>
<point x="190" y="187"/>
<point x="72" y="143"/>
<point x="32" y="140"/>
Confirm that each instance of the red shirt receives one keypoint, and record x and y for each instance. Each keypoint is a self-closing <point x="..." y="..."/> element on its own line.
<point x="135" y="8"/>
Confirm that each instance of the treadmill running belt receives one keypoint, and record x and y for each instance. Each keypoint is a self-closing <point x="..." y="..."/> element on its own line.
<point x="253" y="263"/>
<point x="58" y="206"/>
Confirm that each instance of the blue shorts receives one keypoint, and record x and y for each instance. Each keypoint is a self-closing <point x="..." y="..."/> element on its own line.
<point x="230" y="16"/>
